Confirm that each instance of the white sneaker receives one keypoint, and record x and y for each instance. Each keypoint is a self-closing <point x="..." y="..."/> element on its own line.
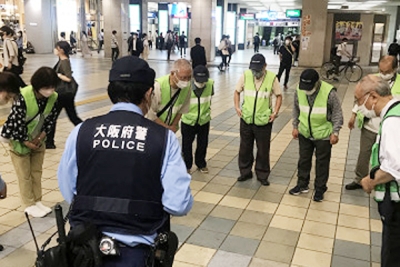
<point x="34" y="211"/>
<point x="43" y="207"/>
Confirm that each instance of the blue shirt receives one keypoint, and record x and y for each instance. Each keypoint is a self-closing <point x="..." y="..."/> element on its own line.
<point x="176" y="198"/>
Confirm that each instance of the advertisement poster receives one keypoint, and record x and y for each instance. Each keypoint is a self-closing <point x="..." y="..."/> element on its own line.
<point x="351" y="30"/>
<point x="305" y="26"/>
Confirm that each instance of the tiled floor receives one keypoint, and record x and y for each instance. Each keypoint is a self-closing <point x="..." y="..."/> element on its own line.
<point x="231" y="224"/>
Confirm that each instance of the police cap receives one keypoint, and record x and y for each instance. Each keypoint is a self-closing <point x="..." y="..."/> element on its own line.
<point x="132" y="69"/>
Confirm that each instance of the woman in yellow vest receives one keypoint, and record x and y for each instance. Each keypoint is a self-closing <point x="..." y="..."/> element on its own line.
<point x="31" y="119"/>
<point x="197" y="120"/>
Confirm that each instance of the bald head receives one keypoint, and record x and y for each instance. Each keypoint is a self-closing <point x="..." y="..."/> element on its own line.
<point x="182" y="65"/>
<point x="388" y="65"/>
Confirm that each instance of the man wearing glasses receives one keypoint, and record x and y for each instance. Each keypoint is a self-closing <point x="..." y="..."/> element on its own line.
<point x="171" y="96"/>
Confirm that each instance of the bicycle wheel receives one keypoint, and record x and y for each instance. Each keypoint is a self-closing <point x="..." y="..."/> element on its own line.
<point x="353" y="73"/>
<point x="327" y="70"/>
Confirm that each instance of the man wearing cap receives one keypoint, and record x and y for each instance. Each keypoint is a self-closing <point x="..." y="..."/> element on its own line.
<point x="317" y="120"/>
<point x="197" y="120"/>
<point x="105" y="168"/>
<point x="257" y="115"/>
<point x="171" y="96"/>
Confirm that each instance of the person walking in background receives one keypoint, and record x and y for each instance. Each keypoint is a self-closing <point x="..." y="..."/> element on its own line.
<point x="135" y="45"/>
<point x="66" y="89"/>
<point x="169" y="43"/>
<point x="198" y="54"/>
<point x="84" y="45"/>
<point x="223" y="48"/>
<point x="182" y="43"/>
<point x="161" y="42"/>
<point x="150" y="40"/>
<point x="296" y="45"/>
<point x="146" y="47"/>
<point x="20" y="44"/>
<point x="286" y="60"/>
<point x="62" y="37"/>
<point x="72" y="41"/>
<point x="256" y="43"/>
<point x="25" y="39"/>
<point x="230" y="50"/>
<point x="114" y="46"/>
<point x="32" y="117"/>
<point x="277" y="43"/>
<point x="101" y="40"/>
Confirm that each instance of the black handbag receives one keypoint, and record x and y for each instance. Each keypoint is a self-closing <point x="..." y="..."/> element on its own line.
<point x="67" y="88"/>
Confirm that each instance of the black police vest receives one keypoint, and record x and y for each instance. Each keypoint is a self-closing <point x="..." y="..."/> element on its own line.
<point x="119" y="159"/>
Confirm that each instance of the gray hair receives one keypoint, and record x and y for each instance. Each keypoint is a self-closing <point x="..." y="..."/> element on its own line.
<point x="182" y="64"/>
<point x="375" y="83"/>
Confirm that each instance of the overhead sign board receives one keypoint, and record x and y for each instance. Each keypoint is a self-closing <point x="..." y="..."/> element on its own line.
<point x="293" y="13"/>
<point x="246" y="16"/>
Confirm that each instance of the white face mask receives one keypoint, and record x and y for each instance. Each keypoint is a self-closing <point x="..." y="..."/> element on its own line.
<point x="287" y="42"/>
<point x="199" y="85"/>
<point x="366" y="112"/>
<point x="386" y="77"/>
<point x="311" y="92"/>
<point x="46" y="92"/>
<point x="182" y="84"/>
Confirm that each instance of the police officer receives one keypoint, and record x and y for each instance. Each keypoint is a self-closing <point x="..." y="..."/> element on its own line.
<point x="125" y="173"/>
<point x="388" y="66"/>
<point x="317" y="120"/>
<point x="374" y="94"/>
<point x="171" y="96"/>
<point x="258" y="85"/>
<point x="197" y="120"/>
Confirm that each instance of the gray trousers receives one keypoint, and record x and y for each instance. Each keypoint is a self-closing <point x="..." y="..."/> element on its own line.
<point x="367" y="140"/>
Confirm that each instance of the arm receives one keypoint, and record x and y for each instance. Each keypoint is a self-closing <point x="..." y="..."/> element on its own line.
<point x="276" y="90"/>
<point x="65" y="72"/>
<point x="295" y="116"/>
<point x="353" y="117"/>
<point x="68" y="169"/>
<point x="50" y="120"/>
<point x="236" y="95"/>
<point x="337" y="116"/>
<point x="177" y="198"/>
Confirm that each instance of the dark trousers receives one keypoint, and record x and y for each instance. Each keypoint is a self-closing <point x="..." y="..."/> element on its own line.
<point x="286" y="68"/>
<point x="101" y="42"/>
<point x="169" y="48"/>
<point x="276" y="49"/>
<point x="135" y="53"/>
<point x="262" y="136"/>
<point x="188" y="135"/>
<point x="223" y="63"/>
<point x="66" y="101"/>
<point x="367" y="140"/>
<point x="336" y="61"/>
<point x="323" y="150"/>
<point x="130" y="257"/>
<point x="150" y="44"/>
<point x="114" y="53"/>
<point x="256" y="48"/>
<point x="229" y="56"/>
<point x="390" y="256"/>
<point x="183" y="49"/>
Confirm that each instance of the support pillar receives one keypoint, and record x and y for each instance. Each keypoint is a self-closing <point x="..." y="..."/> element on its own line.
<point x="116" y="17"/>
<point x="313" y="32"/>
<point x="145" y="22"/>
<point x="203" y="25"/>
<point x="41" y="24"/>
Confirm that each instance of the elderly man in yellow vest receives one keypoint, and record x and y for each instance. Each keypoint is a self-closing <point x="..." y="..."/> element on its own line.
<point x="171" y="96"/>
<point x="197" y="121"/>
<point x="388" y="72"/>
<point x="256" y="117"/>
<point x="317" y="120"/>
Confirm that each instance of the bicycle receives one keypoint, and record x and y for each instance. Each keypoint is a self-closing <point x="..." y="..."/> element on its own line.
<point x="352" y="71"/>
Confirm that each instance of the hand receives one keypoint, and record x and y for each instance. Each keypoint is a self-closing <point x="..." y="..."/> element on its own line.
<point x="334" y="139"/>
<point x="239" y="112"/>
<point x="31" y="145"/>
<point x="173" y="128"/>
<point x="272" y="117"/>
<point x="295" y="134"/>
<point x="366" y="183"/>
<point x="351" y="123"/>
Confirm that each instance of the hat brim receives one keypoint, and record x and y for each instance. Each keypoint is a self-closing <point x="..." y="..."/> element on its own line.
<point x="256" y="66"/>
<point x="201" y="79"/>
<point x="306" y="86"/>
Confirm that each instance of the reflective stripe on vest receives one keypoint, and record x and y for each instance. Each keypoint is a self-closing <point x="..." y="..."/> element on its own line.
<point x="166" y="97"/>
<point x="313" y="120"/>
<point x="380" y="190"/>
<point x="200" y="107"/>
<point x="396" y="86"/>
<point x="35" y="126"/>
<point x="256" y="108"/>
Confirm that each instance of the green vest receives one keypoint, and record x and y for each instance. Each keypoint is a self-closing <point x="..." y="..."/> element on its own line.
<point x="313" y="120"/>
<point x="395" y="90"/>
<point x="32" y="109"/>
<point x="200" y="107"/>
<point x="380" y="190"/>
<point x="166" y="97"/>
<point x="256" y="108"/>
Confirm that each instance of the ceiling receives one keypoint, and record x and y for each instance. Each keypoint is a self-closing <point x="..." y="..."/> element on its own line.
<point x="282" y="5"/>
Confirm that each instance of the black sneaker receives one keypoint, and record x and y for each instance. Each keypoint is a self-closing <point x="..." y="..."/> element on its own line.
<point x="264" y="182"/>
<point x="297" y="190"/>
<point x="318" y="196"/>
<point x="353" y="186"/>
<point x="245" y="177"/>
<point x="50" y="146"/>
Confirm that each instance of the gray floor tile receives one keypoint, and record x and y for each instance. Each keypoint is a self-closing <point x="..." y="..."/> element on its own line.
<point x="229" y="173"/>
<point x="376" y="239"/>
<point x="216" y="188"/>
<point x="275" y="252"/>
<point x="206" y="238"/>
<point x="217" y="224"/>
<point x="182" y="231"/>
<point x="360" y="201"/>
<point x="240" y="245"/>
<point x="242" y="192"/>
<point x="226" y="213"/>
<point x="201" y="207"/>
<point x="281" y="236"/>
<point x="256" y="217"/>
<point x="375" y="254"/>
<point x="352" y="250"/>
<point x="249" y="184"/>
<point x="16" y="238"/>
<point x="373" y="213"/>
<point x="7" y="250"/>
<point x="223" y="259"/>
<point x="270" y="196"/>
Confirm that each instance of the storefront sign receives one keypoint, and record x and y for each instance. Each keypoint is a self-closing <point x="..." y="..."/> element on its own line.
<point x="293" y="13"/>
<point x="246" y="16"/>
<point x="351" y="30"/>
<point x="270" y="15"/>
<point x="279" y="23"/>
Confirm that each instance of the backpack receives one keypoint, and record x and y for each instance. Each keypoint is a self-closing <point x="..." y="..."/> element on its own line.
<point x="334" y="51"/>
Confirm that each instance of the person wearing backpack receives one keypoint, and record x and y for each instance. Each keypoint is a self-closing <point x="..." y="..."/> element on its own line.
<point x="256" y="43"/>
<point x="286" y="60"/>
